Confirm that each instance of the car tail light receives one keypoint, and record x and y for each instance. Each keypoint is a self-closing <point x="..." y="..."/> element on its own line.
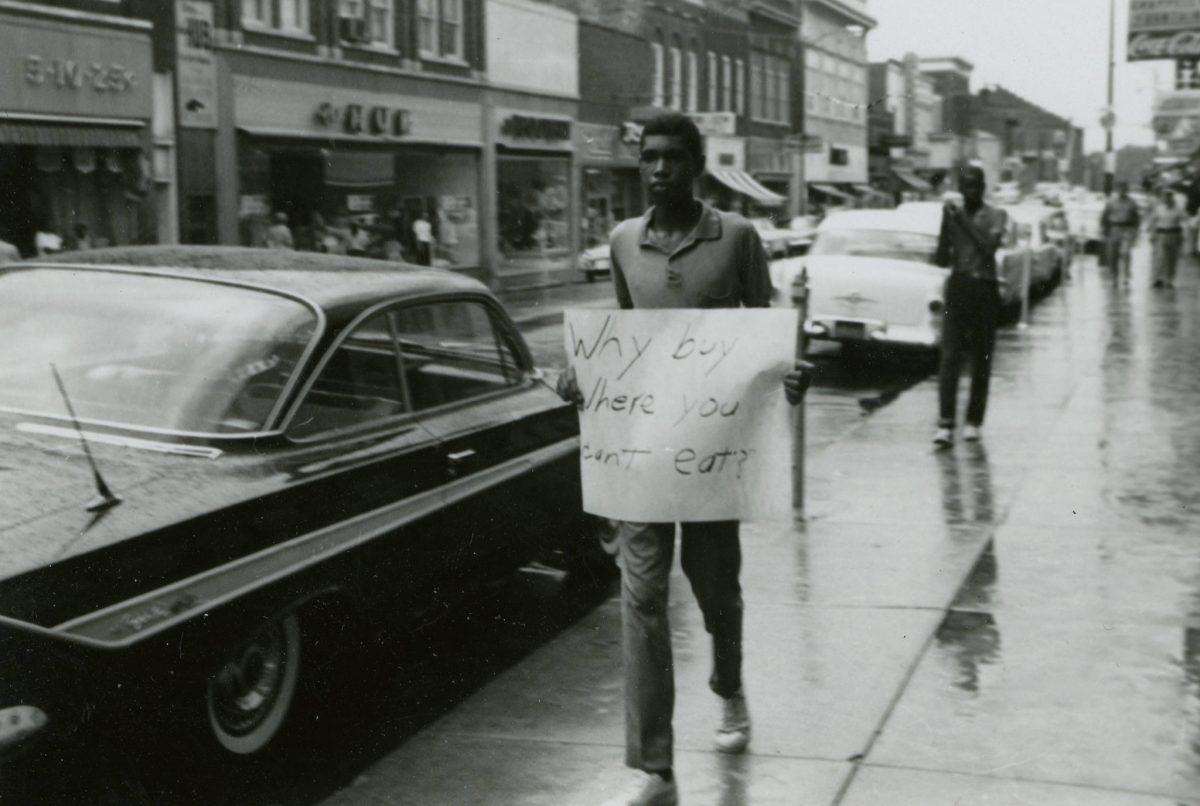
<point x="935" y="306"/>
<point x="18" y="724"/>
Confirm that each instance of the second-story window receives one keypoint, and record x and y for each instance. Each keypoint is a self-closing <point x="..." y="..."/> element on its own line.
<point x="713" y="82"/>
<point x="659" y="80"/>
<point x="726" y="84"/>
<point x="280" y="15"/>
<point x="440" y="28"/>
<point x="367" y="22"/>
<point x="693" y="77"/>
<point x="676" y="99"/>
<point x="739" y="81"/>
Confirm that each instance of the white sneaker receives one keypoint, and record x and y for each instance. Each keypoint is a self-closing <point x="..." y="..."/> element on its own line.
<point x="971" y="433"/>
<point x="943" y="437"/>
<point x="734" y="733"/>
<point x="645" y="789"/>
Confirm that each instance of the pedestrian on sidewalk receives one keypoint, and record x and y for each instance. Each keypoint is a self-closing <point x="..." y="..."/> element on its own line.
<point x="1166" y="228"/>
<point x="681" y="254"/>
<point x="1119" y="223"/>
<point x="967" y="244"/>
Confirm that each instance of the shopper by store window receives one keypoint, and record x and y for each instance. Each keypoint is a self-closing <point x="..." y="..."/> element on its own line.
<point x="360" y="241"/>
<point x="279" y="234"/>
<point x="423" y="233"/>
<point x="83" y="239"/>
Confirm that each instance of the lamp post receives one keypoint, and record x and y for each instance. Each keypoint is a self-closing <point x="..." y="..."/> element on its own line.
<point x="1110" y="161"/>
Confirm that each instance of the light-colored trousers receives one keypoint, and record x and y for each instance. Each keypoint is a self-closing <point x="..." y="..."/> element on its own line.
<point x="712" y="558"/>
<point x="1167" y="246"/>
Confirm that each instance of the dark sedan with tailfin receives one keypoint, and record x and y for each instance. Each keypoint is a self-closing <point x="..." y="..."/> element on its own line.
<point x="202" y="448"/>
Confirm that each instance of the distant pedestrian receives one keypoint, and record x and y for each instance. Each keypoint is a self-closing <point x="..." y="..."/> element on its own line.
<point x="279" y="235"/>
<point x="1119" y="223"/>
<point x="1165" y="225"/>
<point x="681" y="254"/>
<point x="359" y="242"/>
<point x="967" y="244"/>
<point x="82" y="239"/>
<point x="423" y="233"/>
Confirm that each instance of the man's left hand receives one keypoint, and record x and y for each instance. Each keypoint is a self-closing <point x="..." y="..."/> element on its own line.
<point x="797" y="381"/>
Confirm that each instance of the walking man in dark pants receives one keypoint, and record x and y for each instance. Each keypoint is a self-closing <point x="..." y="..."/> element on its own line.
<point x="967" y="245"/>
<point x="681" y="254"/>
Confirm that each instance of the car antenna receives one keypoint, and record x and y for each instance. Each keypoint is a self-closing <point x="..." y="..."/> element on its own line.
<point x="105" y="499"/>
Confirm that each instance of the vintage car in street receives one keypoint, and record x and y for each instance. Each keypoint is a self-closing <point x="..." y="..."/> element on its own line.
<point x="871" y="278"/>
<point x="203" y="449"/>
<point x="1043" y="230"/>
<point x="595" y="262"/>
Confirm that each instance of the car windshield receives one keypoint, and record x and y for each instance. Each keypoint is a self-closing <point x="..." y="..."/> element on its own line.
<point x="145" y="351"/>
<point x="914" y="246"/>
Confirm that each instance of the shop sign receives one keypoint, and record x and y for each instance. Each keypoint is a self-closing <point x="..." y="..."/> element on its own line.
<point x="1163" y="15"/>
<point x="596" y="142"/>
<point x="58" y="69"/>
<point x="631" y="133"/>
<point x="523" y="129"/>
<point x="196" y="70"/>
<point x="253" y="204"/>
<point x="293" y="108"/>
<point x="360" y="202"/>
<point x="380" y="121"/>
<point x="715" y="123"/>
<point x="1164" y="45"/>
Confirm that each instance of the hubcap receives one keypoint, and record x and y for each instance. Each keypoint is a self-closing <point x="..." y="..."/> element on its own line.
<point x="247" y="686"/>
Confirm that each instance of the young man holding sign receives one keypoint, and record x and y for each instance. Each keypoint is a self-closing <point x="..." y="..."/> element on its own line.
<point x="681" y="254"/>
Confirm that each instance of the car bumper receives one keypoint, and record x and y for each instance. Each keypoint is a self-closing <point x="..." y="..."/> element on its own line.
<point x="873" y="331"/>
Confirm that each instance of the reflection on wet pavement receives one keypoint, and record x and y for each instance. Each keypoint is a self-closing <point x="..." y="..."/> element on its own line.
<point x="1070" y="655"/>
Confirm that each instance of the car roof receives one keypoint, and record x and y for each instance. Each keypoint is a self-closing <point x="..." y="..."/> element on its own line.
<point x="918" y="218"/>
<point x="1030" y="212"/>
<point x="331" y="282"/>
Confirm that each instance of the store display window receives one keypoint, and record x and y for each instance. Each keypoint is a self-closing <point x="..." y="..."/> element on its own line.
<point x="534" y="207"/>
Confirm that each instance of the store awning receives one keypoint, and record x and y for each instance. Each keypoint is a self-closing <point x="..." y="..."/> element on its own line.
<point x="747" y="185"/>
<point x="830" y="190"/>
<point x="865" y="190"/>
<point x="29" y="133"/>
<point x="913" y="181"/>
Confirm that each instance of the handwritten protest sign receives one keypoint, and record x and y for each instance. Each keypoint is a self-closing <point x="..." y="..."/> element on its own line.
<point x="684" y="414"/>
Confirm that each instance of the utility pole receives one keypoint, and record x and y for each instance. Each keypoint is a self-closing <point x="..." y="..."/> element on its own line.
<point x="1110" y="159"/>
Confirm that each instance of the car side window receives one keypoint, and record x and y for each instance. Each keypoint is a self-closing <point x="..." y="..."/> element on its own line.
<point x="359" y="383"/>
<point x="452" y="351"/>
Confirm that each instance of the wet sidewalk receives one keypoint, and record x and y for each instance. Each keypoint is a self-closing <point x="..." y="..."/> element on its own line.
<point x="536" y="307"/>
<point x="1012" y="622"/>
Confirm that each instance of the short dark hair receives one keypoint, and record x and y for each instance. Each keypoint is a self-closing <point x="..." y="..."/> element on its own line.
<point x="673" y="124"/>
<point x="971" y="172"/>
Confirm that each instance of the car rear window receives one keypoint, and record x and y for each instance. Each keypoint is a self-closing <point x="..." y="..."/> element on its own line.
<point x="146" y="351"/>
<point x="914" y="246"/>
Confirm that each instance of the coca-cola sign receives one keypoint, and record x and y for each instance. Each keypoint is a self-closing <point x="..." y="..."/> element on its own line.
<point x="1164" y="45"/>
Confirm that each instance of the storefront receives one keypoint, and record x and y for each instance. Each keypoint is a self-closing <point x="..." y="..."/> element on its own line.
<point x="535" y="207"/>
<point x="612" y="187"/>
<point x="76" y="99"/>
<point x="727" y="185"/>
<point x="355" y="170"/>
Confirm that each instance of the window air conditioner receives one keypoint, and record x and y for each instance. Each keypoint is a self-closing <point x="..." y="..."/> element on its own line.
<point x="352" y="29"/>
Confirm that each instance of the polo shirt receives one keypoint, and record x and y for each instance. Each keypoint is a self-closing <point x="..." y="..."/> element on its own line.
<point x="720" y="264"/>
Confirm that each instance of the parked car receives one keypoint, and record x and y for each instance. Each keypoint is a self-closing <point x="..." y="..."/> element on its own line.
<point x="595" y="262"/>
<point x="275" y="436"/>
<point x="1083" y="222"/>
<point x="871" y="279"/>
<point x="804" y="230"/>
<point x="775" y="239"/>
<point x="1044" y="230"/>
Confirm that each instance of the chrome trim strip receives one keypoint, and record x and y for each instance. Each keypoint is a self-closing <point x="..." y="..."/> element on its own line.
<point x="179" y="601"/>
<point x="174" y="448"/>
<point x="23" y="117"/>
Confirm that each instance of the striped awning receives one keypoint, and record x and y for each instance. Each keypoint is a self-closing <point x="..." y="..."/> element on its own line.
<point x="747" y="185"/>
<point x="913" y="181"/>
<point x="70" y="135"/>
<point x="830" y="190"/>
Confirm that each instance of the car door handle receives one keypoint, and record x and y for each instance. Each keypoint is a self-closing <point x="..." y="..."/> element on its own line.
<point x="458" y="457"/>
